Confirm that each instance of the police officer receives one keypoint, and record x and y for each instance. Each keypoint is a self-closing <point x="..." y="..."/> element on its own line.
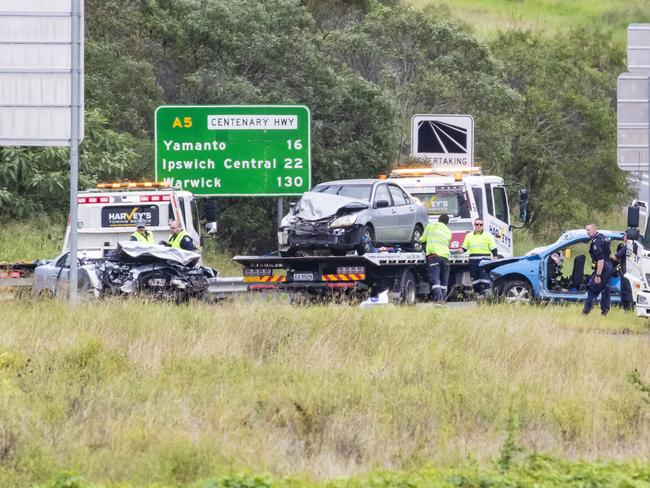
<point x="179" y="238"/>
<point x="141" y="233"/>
<point x="626" y="288"/>
<point x="437" y="237"/>
<point x="599" y="251"/>
<point x="479" y="244"/>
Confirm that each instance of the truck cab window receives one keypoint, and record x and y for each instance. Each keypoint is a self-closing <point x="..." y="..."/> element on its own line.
<point x="478" y="198"/>
<point x="195" y="216"/>
<point x="181" y="203"/>
<point x="501" y="204"/>
<point x="488" y="198"/>
<point x="170" y="213"/>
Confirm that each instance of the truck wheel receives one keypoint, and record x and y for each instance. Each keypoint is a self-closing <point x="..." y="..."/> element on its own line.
<point x="516" y="292"/>
<point x="409" y="287"/>
<point x="367" y="238"/>
<point x="416" y="245"/>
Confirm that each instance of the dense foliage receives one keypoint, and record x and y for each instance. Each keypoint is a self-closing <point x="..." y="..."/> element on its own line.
<point x="544" y="107"/>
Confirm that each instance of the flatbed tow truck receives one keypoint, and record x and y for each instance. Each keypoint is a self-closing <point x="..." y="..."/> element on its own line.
<point x="17" y="277"/>
<point x="401" y="273"/>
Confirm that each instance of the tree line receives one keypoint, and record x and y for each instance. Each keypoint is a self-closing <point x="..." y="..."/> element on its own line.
<point x="544" y="106"/>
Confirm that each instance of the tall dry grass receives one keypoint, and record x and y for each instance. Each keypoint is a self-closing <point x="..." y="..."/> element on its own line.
<point x="147" y="392"/>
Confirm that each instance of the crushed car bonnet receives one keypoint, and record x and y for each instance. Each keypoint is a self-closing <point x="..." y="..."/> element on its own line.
<point x="156" y="251"/>
<point x="316" y="205"/>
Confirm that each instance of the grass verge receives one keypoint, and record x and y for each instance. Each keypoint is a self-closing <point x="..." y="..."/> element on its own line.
<point x="489" y="16"/>
<point x="146" y="393"/>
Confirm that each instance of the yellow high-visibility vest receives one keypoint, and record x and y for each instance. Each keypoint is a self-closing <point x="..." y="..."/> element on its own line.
<point x="175" y="241"/>
<point x="479" y="243"/>
<point x="147" y="239"/>
<point x="438" y="237"/>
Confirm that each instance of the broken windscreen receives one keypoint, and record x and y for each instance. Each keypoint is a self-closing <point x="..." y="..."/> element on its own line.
<point x="358" y="192"/>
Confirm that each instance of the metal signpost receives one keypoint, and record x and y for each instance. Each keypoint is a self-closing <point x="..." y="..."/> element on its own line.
<point x="446" y="140"/>
<point x="41" y="85"/>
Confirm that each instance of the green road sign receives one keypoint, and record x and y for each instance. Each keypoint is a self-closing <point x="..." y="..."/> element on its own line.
<point x="234" y="150"/>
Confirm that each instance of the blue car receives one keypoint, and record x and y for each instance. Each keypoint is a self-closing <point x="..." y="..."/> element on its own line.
<point x="557" y="272"/>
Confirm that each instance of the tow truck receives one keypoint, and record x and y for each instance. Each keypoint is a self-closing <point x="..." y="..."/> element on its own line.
<point x="463" y="194"/>
<point x="637" y="259"/>
<point x="107" y="215"/>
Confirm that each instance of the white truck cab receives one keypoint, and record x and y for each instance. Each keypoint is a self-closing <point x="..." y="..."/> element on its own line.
<point x="108" y="214"/>
<point x="637" y="260"/>
<point x="465" y="195"/>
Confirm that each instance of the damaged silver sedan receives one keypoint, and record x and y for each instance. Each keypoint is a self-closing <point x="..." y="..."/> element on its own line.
<point x="353" y="215"/>
<point x="134" y="269"/>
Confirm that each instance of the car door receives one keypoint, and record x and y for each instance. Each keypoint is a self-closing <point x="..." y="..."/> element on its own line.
<point x="497" y="218"/>
<point x="61" y="276"/>
<point x="404" y="212"/>
<point x="384" y="218"/>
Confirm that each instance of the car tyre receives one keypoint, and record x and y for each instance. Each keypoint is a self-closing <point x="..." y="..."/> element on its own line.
<point x="516" y="292"/>
<point x="366" y="239"/>
<point x="416" y="245"/>
<point x="409" y="288"/>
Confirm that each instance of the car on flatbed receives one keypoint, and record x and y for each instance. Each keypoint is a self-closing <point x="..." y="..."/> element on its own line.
<point x="352" y="215"/>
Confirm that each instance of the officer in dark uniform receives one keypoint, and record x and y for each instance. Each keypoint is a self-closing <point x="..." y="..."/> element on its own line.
<point x="626" y="288"/>
<point x="599" y="251"/>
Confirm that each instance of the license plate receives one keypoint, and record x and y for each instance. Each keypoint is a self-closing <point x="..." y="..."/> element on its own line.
<point x="157" y="282"/>
<point x="303" y="277"/>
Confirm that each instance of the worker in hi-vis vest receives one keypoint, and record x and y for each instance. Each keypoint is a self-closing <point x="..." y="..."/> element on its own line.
<point x="480" y="245"/>
<point x="141" y="233"/>
<point x="179" y="238"/>
<point x="437" y="237"/>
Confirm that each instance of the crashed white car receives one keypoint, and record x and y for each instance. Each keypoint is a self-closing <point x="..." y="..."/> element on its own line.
<point x="135" y="268"/>
<point x="349" y="215"/>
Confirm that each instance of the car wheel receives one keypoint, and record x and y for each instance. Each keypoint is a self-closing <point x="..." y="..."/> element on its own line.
<point x="416" y="245"/>
<point x="408" y="292"/>
<point x="517" y="292"/>
<point x="367" y="238"/>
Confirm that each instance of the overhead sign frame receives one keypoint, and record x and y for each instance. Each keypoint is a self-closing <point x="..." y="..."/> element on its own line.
<point x="234" y="150"/>
<point x="36" y="72"/>
<point x="446" y="140"/>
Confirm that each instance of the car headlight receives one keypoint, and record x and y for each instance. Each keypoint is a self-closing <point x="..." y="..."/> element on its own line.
<point x="344" y="221"/>
<point x="641" y="300"/>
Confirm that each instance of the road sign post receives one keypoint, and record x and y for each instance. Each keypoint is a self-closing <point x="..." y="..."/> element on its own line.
<point x="41" y="85"/>
<point x="234" y="150"/>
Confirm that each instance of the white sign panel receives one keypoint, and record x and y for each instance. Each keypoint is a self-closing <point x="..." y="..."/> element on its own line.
<point x="446" y="140"/>
<point x="638" y="47"/>
<point x="633" y="121"/>
<point x="35" y="72"/>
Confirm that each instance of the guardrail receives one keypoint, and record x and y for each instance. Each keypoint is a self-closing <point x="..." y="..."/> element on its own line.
<point x="220" y="287"/>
